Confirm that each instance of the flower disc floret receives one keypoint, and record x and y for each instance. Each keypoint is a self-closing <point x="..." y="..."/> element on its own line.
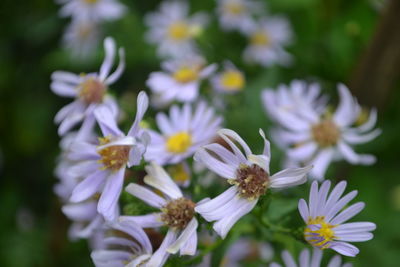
<point x="179" y="31"/>
<point x="322" y="235"/>
<point x="186" y="75"/>
<point x="179" y="143"/>
<point x="252" y="181"/>
<point x="232" y="80"/>
<point x="326" y="133"/>
<point x="113" y="157"/>
<point x="92" y="91"/>
<point x="260" y="38"/>
<point x="178" y="213"/>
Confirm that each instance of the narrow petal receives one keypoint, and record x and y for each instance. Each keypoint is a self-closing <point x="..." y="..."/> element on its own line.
<point x="144" y="221"/>
<point x="89" y="186"/>
<point x="120" y="69"/>
<point x="289" y="177"/>
<point x="159" y="178"/>
<point x="110" y="195"/>
<point x="303" y="209"/>
<point x="348" y="213"/>
<point x="109" y="47"/>
<point x="345" y="249"/>
<point x="288" y="259"/>
<point x="142" y="105"/>
<point x="321" y="163"/>
<point x="146" y="195"/>
<point x="224" y="170"/>
<point x="161" y="255"/>
<point x="184" y="237"/>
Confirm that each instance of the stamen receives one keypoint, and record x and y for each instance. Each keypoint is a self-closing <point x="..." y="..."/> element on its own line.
<point x="113" y="157"/>
<point x="326" y="133"/>
<point x="179" y="143"/>
<point x="178" y="213"/>
<point x="321" y="237"/>
<point x="92" y="91"/>
<point x="252" y="181"/>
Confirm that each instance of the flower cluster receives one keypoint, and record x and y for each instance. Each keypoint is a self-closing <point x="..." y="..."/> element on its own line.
<point x="137" y="188"/>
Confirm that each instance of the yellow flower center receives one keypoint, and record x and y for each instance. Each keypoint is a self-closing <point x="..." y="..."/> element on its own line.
<point x="321" y="237"/>
<point x="113" y="157"/>
<point x="179" y="173"/>
<point x="325" y="133"/>
<point x="179" y="143"/>
<point x="232" y="80"/>
<point x="186" y="75"/>
<point x="260" y="38"/>
<point x="92" y="91"/>
<point x="179" y="31"/>
<point x="234" y="8"/>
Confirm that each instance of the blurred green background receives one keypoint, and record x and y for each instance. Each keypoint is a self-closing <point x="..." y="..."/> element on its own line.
<point x="331" y="39"/>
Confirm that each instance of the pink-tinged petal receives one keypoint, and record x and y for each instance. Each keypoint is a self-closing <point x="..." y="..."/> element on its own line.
<point x="345" y="249"/>
<point x="144" y="221"/>
<point x="321" y="163"/>
<point x="89" y="186"/>
<point x="110" y="195"/>
<point x="142" y="105"/>
<point x="224" y="170"/>
<point x="183" y="238"/>
<point x="145" y="195"/>
<point x="348" y="213"/>
<point x="160" y="179"/>
<point x="119" y="70"/>
<point x="289" y="177"/>
<point x="110" y="48"/>
<point x="303" y="209"/>
<point x="161" y="255"/>
<point x="288" y="259"/>
<point x="223" y="226"/>
<point x="107" y="121"/>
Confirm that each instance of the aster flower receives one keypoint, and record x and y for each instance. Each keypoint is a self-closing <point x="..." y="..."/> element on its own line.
<point x="89" y="90"/>
<point x="307" y="260"/>
<point x="237" y="14"/>
<point x="126" y="244"/>
<point x="81" y="37"/>
<point x="248" y="174"/>
<point x="173" y="30"/>
<point x="176" y="211"/>
<point x="182" y="133"/>
<point x="230" y="80"/>
<point x="103" y="164"/>
<point x="325" y="219"/>
<point x="318" y="139"/>
<point x="180" y="79"/>
<point x="92" y="10"/>
<point x="267" y="40"/>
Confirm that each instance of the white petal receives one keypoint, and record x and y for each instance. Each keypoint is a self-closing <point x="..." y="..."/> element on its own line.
<point x="160" y="179"/>
<point x="289" y="177"/>
<point x="184" y="237"/>
<point x="146" y="195"/>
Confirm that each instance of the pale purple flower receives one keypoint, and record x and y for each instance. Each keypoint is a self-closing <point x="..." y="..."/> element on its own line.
<point x="176" y="211"/>
<point x="317" y="138"/>
<point x="248" y="174"/>
<point x="230" y="80"/>
<point x="267" y="40"/>
<point x="182" y="133"/>
<point x="180" y="80"/>
<point x="126" y="244"/>
<point x="238" y="14"/>
<point x="325" y="219"/>
<point x="88" y="90"/>
<point x="173" y="30"/>
<point x="92" y="10"/>
<point x="103" y="165"/>
<point x="307" y="260"/>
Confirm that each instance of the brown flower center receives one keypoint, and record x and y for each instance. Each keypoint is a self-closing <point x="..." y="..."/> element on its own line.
<point x="113" y="157"/>
<point x="252" y="181"/>
<point x="92" y="91"/>
<point x="325" y="133"/>
<point x="178" y="213"/>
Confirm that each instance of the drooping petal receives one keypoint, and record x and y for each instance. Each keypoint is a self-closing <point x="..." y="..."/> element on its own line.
<point x="289" y="177"/>
<point x="146" y="195"/>
<point x="184" y="237"/>
<point x="142" y="105"/>
<point x="109" y="47"/>
<point x="159" y="178"/>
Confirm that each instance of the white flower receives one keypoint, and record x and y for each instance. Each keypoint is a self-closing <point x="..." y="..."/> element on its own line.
<point x="237" y="14"/>
<point x="249" y="175"/>
<point x="126" y="244"/>
<point x="103" y="165"/>
<point x="180" y="79"/>
<point x="176" y="211"/>
<point x="318" y="139"/>
<point x="325" y="217"/>
<point x="182" y="133"/>
<point x="230" y="80"/>
<point x="173" y="30"/>
<point x="307" y="260"/>
<point x="267" y="40"/>
<point x="81" y="37"/>
<point x="92" y="10"/>
<point x="89" y="90"/>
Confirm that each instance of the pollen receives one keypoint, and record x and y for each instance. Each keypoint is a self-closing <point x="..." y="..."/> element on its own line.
<point x="319" y="238"/>
<point x="232" y="80"/>
<point x="113" y="157"/>
<point x="179" y="143"/>
<point x="325" y="133"/>
<point x="234" y="8"/>
<point x="186" y="75"/>
<point x="178" y="213"/>
<point x="260" y="38"/>
<point x="179" y="31"/>
<point x="92" y="91"/>
<point x="252" y="181"/>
